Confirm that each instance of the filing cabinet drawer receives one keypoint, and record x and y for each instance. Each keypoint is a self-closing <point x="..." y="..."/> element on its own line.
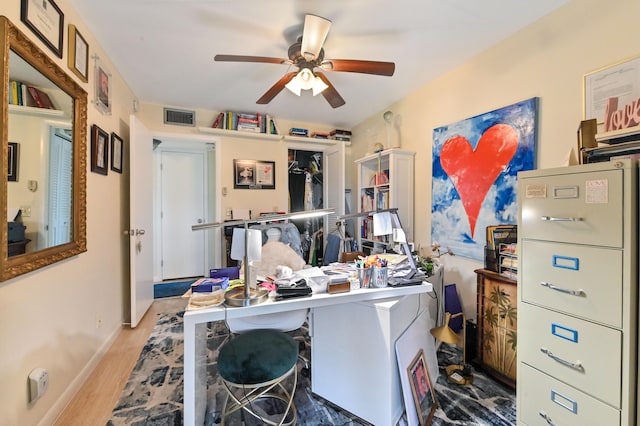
<point x="582" y="208"/>
<point x="553" y="270"/>
<point x="567" y="348"/>
<point x="540" y="395"/>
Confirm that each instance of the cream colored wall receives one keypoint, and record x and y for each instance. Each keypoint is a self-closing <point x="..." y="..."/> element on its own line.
<point x="49" y="318"/>
<point x="547" y="60"/>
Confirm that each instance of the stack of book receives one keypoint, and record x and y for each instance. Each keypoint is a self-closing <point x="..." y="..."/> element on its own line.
<point x="297" y="131"/>
<point x="320" y="135"/>
<point x="246" y="122"/>
<point x="26" y="95"/>
<point x="340" y="135"/>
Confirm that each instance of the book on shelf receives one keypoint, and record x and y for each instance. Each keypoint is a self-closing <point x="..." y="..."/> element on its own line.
<point x="41" y="99"/>
<point x="217" y="123"/>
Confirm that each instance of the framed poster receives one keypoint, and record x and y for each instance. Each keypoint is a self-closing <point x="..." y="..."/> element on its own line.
<point x="252" y="174"/>
<point x="422" y="389"/>
<point x="99" y="150"/>
<point x="46" y="20"/>
<point x="78" y="56"/>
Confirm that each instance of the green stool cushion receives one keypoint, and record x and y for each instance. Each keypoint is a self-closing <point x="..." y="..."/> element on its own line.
<point x="257" y="356"/>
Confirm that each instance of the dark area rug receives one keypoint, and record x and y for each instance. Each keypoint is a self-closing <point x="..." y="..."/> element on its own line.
<point x="153" y="394"/>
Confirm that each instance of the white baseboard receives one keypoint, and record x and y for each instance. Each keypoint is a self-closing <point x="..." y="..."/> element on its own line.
<point x="65" y="398"/>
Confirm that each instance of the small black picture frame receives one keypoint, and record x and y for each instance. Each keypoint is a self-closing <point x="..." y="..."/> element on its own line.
<point x="252" y="174"/>
<point x="46" y="20"/>
<point x="14" y="158"/>
<point x="99" y="150"/>
<point x="116" y="152"/>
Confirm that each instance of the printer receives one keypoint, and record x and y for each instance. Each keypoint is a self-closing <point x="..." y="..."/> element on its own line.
<point x="16" y="228"/>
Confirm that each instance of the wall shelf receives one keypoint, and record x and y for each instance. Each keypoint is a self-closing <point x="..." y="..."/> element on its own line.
<point x="35" y="111"/>
<point x="268" y="137"/>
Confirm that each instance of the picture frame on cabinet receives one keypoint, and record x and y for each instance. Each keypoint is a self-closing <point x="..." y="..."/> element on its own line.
<point x="116" y="152"/>
<point x="78" y="57"/>
<point x="14" y="157"/>
<point x="619" y="81"/>
<point x="252" y="174"/>
<point x="46" y="20"/>
<point x="422" y="389"/>
<point x="99" y="150"/>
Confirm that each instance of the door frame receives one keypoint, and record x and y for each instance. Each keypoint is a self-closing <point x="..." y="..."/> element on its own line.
<point x="176" y="142"/>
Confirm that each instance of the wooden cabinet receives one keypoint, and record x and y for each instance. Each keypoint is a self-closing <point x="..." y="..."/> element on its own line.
<point x="497" y="325"/>
<point x="578" y="295"/>
<point x="385" y="180"/>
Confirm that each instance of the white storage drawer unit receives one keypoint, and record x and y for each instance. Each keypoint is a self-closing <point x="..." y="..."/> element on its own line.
<point x="578" y="295"/>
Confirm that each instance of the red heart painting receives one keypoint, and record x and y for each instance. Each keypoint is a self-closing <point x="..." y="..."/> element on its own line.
<point x="474" y="172"/>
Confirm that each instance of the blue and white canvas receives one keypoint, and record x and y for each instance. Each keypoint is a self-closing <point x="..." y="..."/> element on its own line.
<point x="475" y="167"/>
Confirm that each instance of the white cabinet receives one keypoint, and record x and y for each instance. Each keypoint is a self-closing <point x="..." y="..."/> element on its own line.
<point x="385" y="180"/>
<point x="357" y="340"/>
<point x="578" y="295"/>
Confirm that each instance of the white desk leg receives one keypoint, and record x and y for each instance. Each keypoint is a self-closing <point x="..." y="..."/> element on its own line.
<point x="195" y="372"/>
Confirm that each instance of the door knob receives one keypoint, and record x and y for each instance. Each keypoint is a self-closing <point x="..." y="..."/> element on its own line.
<point x="139" y="231"/>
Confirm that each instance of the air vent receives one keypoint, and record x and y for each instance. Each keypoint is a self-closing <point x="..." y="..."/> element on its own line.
<point x="179" y="117"/>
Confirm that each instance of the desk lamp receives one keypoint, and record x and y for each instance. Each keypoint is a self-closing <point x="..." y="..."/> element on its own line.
<point x="456" y="373"/>
<point x="246" y="295"/>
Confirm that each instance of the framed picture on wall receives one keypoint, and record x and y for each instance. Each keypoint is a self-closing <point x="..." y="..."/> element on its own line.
<point x="116" y="153"/>
<point x="46" y="20"/>
<point x="252" y="174"/>
<point x="99" y="150"/>
<point x="14" y="157"/>
<point x="78" y="58"/>
<point x="102" y="94"/>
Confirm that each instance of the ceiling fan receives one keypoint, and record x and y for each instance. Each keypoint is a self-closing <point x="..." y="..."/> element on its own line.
<point x="308" y="55"/>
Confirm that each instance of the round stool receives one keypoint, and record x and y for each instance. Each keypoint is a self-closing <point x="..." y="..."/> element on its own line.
<point x="253" y="366"/>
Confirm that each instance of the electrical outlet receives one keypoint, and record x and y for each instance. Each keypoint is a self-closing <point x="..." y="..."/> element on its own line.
<point x="26" y="211"/>
<point x="98" y="321"/>
<point x="229" y="211"/>
<point x="38" y="383"/>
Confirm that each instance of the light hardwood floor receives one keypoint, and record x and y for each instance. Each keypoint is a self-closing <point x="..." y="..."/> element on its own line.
<point x="97" y="397"/>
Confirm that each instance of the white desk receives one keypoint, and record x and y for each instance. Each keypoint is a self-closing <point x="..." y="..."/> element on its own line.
<point x="195" y="375"/>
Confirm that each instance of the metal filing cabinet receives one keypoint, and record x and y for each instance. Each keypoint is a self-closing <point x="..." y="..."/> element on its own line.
<point x="577" y="295"/>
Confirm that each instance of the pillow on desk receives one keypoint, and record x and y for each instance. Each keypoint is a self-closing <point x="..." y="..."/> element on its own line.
<point x="275" y="253"/>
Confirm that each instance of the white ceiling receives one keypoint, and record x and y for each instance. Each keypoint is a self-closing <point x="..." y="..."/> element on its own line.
<point x="164" y="49"/>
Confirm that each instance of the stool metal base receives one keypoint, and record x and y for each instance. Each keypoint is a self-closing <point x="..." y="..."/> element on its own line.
<point x="244" y="396"/>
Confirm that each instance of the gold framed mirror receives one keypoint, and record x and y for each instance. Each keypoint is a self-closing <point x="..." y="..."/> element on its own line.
<point x="40" y="178"/>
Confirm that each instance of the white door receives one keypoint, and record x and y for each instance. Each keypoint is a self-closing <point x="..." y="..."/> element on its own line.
<point x="182" y="205"/>
<point x="140" y="219"/>
<point x="333" y="175"/>
<point x="59" y="202"/>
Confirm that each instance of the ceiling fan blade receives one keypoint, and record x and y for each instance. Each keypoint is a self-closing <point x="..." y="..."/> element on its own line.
<point x="364" y="67"/>
<point x="243" y="58"/>
<point x="330" y="93"/>
<point x="314" y="34"/>
<point x="276" y="88"/>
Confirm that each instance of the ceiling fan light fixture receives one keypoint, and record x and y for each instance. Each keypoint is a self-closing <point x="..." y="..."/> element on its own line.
<point x="318" y="86"/>
<point x="294" y="86"/>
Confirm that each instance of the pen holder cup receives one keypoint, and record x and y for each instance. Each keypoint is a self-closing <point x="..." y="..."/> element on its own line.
<point x="379" y="277"/>
<point x="364" y="276"/>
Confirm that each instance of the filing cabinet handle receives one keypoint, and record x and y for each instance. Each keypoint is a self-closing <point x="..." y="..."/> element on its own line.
<point x="563" y="290"/>
<point x="561" y="219"/>
<point x="546" y="417"/>
<point x="575" y="365"/>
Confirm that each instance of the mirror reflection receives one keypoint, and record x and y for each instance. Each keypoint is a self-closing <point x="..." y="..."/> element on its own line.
<point x="39" y="189"/>
<point x="44" y="148"/>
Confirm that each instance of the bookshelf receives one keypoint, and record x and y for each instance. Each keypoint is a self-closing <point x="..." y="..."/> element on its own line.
<point x="385" y="180"/>
<point x="35" y="111"/>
